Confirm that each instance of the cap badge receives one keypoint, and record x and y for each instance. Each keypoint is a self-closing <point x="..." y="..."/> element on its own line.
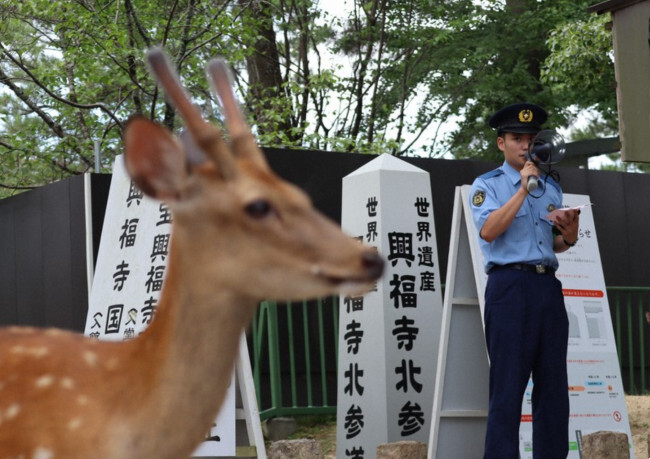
<point x="526" y="116"/>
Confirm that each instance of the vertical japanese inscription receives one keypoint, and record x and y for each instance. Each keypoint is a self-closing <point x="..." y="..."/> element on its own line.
<point x="412" y="254"/>
<point x="353" y="335"/>
<point x="142" y="242"/>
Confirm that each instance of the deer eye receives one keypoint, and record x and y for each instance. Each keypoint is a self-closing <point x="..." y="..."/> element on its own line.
<point x="259" y="208"/>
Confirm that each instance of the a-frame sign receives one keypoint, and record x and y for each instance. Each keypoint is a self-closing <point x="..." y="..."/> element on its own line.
<point x="460" y="397"/>
<point x="460" y="400"/>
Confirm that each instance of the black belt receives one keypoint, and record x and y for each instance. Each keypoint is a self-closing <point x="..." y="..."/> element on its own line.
<point x="539" y="269"/>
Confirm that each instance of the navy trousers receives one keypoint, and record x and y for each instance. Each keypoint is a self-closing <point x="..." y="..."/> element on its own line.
<point x="527" y="329"/>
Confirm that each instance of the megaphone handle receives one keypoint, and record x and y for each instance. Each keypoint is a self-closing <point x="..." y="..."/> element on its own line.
<point x="531" y="184"/>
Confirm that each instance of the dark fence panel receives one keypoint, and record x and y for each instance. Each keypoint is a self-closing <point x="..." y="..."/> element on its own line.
<point x="43" y="280"/>
<point x="37" y="224"/>
<point x="7" y="263"/>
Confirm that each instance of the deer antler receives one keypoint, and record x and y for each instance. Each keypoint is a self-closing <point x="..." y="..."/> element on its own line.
<point x="243" y="142"/>
<point x="207" y="136"/>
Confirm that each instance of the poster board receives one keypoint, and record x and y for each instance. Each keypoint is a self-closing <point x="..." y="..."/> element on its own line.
<point x="596" y="394"/>
<point x="597" y="398"/>
<point x="127" y="283"/>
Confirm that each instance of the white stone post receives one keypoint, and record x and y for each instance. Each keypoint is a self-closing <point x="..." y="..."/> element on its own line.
<point x="388" y="338"/>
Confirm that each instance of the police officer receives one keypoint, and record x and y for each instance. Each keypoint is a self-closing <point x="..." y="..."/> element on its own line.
<point x="526" y="325"/>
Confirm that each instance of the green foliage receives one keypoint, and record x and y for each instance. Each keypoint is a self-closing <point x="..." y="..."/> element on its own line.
<point x="580" y="67"/>
<point x="73" y="73"/>
<point x="381" y="76"/>
<point x="507" y="49"/>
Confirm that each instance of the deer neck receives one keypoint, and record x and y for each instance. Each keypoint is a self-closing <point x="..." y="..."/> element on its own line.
<point x="192" y="343"/>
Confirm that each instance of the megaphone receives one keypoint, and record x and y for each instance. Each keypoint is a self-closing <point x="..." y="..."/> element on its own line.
<point x="547" y="148"/>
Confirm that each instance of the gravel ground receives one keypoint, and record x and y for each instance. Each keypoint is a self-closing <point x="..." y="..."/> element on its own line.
<point x="324" y="430"/>
<point x="638" y="408"/>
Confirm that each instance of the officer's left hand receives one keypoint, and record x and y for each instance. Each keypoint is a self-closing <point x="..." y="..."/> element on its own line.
<point x="568" y="223"/>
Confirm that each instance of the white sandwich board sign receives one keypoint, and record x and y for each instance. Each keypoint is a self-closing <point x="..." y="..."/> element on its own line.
<point x="388" y="338"/>
<point x="597" y="399"/>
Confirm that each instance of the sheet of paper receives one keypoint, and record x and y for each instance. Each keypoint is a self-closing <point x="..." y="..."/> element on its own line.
<point x="553" y="215"/>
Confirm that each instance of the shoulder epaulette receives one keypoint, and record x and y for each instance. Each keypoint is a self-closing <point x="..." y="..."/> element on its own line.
<point x="492" y="173"/>
<point x="551" y="181"/>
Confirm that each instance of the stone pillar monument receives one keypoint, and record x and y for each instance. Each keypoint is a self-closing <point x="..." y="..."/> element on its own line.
<point x="388" y="338"/>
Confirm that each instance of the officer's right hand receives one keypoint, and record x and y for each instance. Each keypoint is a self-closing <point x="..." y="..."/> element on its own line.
<point x="529" y="169"/>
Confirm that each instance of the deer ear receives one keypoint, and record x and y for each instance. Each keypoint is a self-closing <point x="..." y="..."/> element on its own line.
<point x="154" y="159"/>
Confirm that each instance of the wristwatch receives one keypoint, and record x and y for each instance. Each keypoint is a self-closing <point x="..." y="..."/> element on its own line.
<point x="569" y="244"/>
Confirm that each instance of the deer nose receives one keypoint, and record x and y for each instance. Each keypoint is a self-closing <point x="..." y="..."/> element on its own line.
<point x="373" y="263"/>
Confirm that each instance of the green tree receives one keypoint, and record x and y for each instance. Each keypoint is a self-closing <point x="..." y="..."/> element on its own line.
<point x="383" y="76"/>
<point x="73" y="72"/>
<point x="580" y="70"/>
<point x="508" y="51"/>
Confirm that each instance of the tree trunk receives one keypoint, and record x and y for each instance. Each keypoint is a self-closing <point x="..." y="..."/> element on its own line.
<point x="263" y="65"/>
<point x="534" y="55"/>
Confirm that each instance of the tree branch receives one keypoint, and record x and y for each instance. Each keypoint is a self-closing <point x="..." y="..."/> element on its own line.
<point x="8" y="146"/>
<point x="130" y="12"/>
<point x="16" y="187"/>
<point x="55" y="127"/>
<point x="36" y="81"/>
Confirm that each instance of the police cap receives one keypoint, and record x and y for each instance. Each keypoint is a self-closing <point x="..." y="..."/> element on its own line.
<point x="523" y="118"/>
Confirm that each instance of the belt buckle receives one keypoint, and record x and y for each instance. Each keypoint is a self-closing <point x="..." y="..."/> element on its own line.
<point x="540" y="269"/>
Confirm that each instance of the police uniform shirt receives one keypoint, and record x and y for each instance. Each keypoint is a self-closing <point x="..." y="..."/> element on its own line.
<point x="529" y="239"/>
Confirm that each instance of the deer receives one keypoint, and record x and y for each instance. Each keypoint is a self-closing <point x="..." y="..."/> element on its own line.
<point x="240" y="234"/>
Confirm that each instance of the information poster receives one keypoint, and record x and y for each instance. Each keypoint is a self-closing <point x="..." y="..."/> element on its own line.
<point x="596" y="394"/>
<point x="129" y="274"/>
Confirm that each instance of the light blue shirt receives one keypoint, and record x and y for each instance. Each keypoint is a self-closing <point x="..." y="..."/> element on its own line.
<point x="529" y="239"/>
